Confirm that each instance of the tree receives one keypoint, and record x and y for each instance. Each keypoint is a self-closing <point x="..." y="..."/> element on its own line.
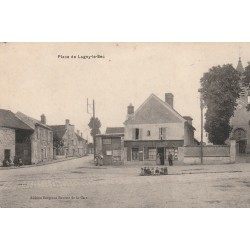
<point x="246" y="81"/>
<point x="246" y="76"/>
<point x="94" y="125"/>
<point x="220" y="89"/>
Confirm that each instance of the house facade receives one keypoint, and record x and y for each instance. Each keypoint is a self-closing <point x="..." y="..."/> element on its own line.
<point x="41" y="139"/>
<point x="67" y="142"/>
<point x="14" y="138"/>
<point x="81" y="145"/>
<point x="156" y="128"/>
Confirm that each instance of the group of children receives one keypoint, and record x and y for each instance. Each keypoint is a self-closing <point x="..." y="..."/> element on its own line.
<point x="154" y="171"/>
<point x="17" y="162"/>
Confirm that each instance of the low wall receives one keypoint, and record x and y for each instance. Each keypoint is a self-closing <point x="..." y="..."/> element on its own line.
<point x="212" y="154"/>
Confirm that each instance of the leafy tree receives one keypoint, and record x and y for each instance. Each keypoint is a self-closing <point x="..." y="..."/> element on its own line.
<point x="220" y="89"/>
<point x="246" y="81"/>
<point x="94" y="125"/>
<point x="246" y="76"/>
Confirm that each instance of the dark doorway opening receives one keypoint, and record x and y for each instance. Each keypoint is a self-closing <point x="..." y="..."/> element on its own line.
<point x="160" y="151"/>
<point x="7" y="154"/>
<point x="242" y="147"/>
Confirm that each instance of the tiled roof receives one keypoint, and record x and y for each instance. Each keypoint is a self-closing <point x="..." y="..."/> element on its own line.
<point x="59" y="130"/>
<point x="31" y="122"/>
<point x="187" y="117"/>
<point x="115" y="130"/>
<point x="153" y="111"/>
<point x="79" y="137"/>
<point x="9" y="120"/>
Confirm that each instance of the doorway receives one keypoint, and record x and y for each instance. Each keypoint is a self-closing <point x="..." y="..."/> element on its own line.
<point x="242" y="146"/>
<point x="160" y="151"/>
<point x="7" y="154"/>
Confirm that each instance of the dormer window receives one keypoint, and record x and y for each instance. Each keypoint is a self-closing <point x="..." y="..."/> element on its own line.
<point x="148" y="133"/>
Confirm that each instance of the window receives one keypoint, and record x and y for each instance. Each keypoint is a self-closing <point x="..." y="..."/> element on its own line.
<point x="148" y="133"/>
<point x="106" y="141"/>
<point x="173" y="151"/>
<point x="137" y="132"/>
<point x="152" y="153"/>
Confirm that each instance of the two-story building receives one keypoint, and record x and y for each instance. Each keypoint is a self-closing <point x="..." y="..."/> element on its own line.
<point x="156" y="128"/>
<point x="81" y="145"/>
<point x="68" y="142"/>
<point x="14" y="138"/>
<point x="41" y="139"/>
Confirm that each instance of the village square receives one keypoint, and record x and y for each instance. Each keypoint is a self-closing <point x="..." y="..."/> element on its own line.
<point x="153" y="159"/>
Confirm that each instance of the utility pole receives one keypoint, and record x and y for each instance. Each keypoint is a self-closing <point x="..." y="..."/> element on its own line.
<point x="93" y="116"/>
<point x="202" y="106"/>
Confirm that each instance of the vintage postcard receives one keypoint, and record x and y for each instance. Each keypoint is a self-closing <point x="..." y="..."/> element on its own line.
<point x="124" y="125"/>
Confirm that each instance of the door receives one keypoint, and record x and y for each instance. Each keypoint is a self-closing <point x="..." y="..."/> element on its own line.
<point x="135" y="154"/>
<point x="160" y="151"/>
<point x="7" y="154"/>
<point x="242" y="147"/>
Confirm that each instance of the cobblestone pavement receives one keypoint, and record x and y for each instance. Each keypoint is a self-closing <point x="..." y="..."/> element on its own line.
<point x="78" y="183"/>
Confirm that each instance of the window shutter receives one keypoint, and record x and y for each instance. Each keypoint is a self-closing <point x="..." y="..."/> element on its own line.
<point x="164" y="130"/>
<point x="133" y="133"/>
<point x="140" y="134"/>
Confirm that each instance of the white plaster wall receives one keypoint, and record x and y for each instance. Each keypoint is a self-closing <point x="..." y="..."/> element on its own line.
<point x="174" y="131"/>
<point x="7" y="141"/>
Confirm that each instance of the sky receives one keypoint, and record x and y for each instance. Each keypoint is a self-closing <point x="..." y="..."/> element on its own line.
<point x="36" y="78"/>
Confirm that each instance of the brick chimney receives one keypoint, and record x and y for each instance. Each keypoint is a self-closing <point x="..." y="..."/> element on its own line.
<point x="169" y="98"/>
<point x="188" y="119"/>
<point x="43" y="119"/>
<point x="130" y="111"/>
<point x="67" y="123"/>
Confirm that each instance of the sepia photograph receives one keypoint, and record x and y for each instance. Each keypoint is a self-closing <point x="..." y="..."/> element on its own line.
<point x="124" y="125"/>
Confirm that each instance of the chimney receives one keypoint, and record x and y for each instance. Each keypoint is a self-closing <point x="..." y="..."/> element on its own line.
<point x="81" y="134"/>
<point x="78" y="132"/>
<point x="43" y="119"/>
<point x="130" y="109"/>
<point x="67" y="123"/>
<point x="188" y="119"/>
<point x="169" y="98"/>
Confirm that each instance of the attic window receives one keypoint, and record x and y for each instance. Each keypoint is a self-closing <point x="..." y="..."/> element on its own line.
<point x="148" y="133"/>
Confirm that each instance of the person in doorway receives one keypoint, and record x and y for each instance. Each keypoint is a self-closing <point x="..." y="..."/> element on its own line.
<point x="158" y="159"/>
<point x="170" y="159"/>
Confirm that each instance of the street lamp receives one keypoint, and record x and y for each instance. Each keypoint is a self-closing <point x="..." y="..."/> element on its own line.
<point x="202" y="107"/>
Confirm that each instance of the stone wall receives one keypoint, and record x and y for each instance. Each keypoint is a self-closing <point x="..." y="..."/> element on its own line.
<point x="7" y="141"/>
<point x="211" y="154"/>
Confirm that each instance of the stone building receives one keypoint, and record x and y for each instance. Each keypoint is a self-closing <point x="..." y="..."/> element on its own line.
<point x="156" y="128"/>
<point x="81" y="145"/>
<point x="240" y="122"/>
<point x="41" y="139"/>
<point x="69" y="143"/>
<point x="14" y="138"/>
